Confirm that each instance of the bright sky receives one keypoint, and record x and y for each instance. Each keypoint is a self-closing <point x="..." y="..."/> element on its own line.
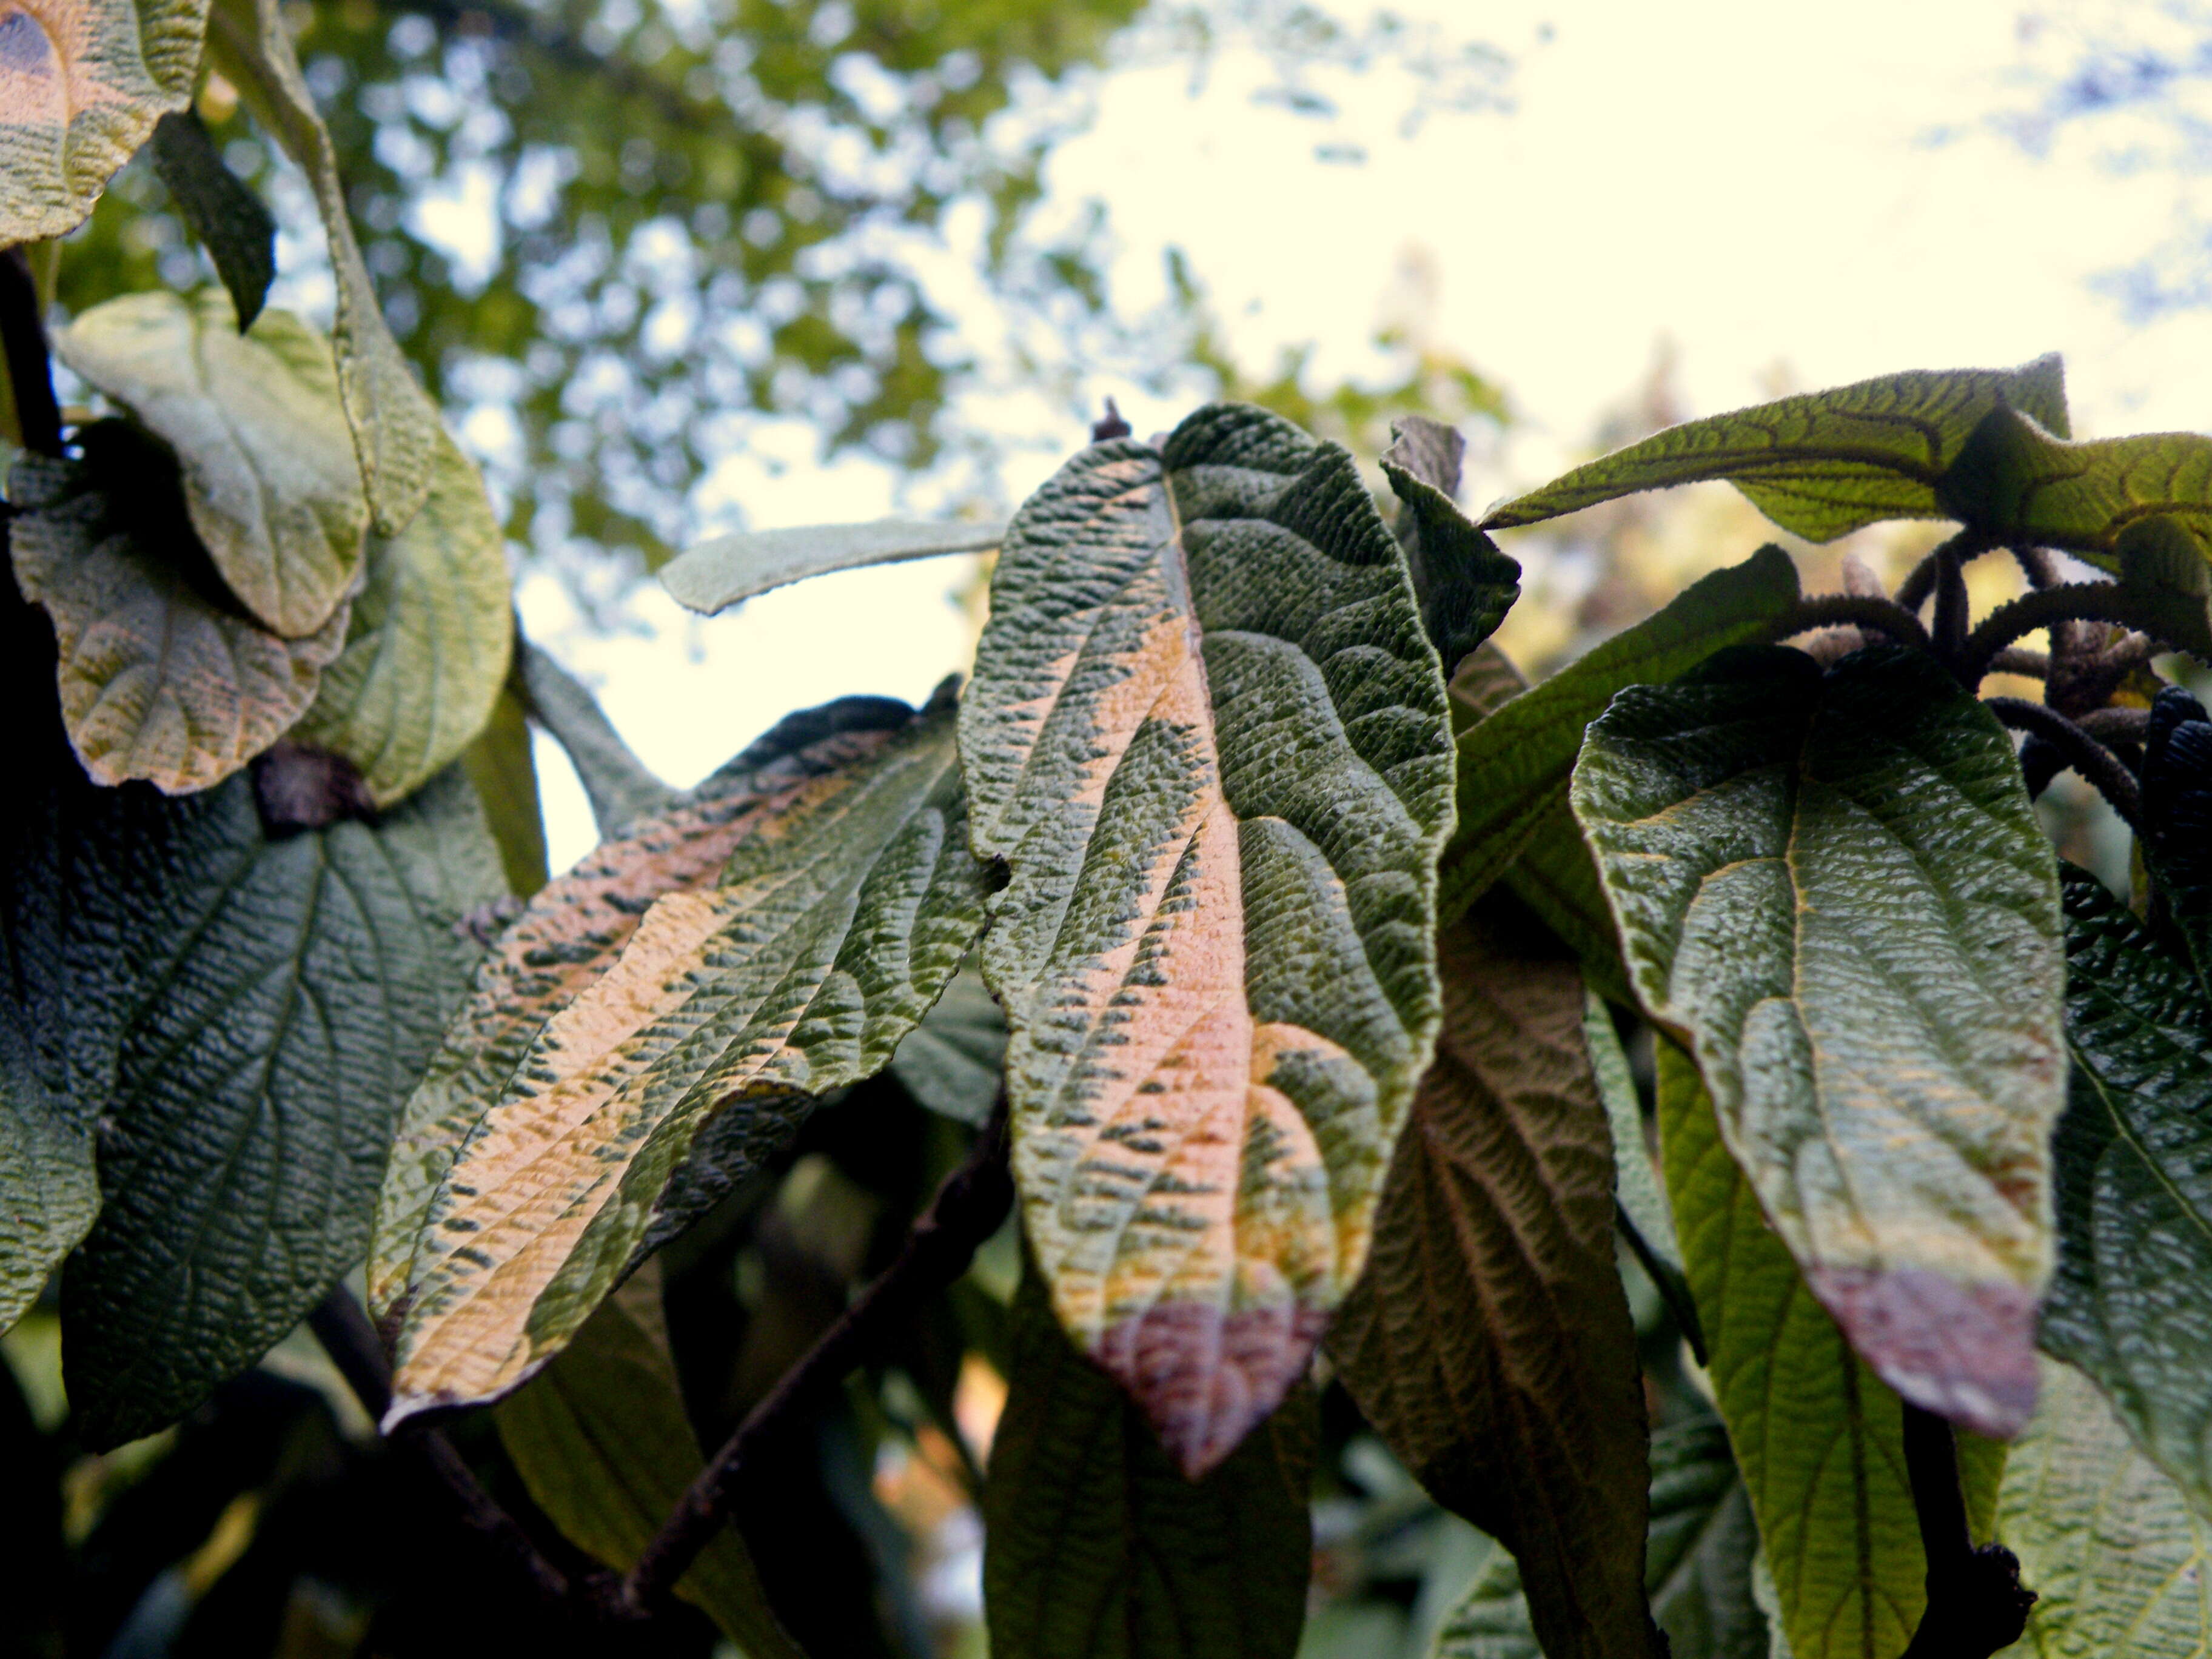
<point x="1751" y="180"/>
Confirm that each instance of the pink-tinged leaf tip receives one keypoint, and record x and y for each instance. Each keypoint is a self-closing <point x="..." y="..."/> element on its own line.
<point x="1206" y="1379"/>
<point x="1963" y="1352"/>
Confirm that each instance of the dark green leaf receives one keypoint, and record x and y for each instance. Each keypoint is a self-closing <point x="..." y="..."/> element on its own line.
<point x="499" y="763"/>
<point x="229" y="220"/>
<point x="618" y="784"/>
<point x="951" y="1062"/>
<point x="732" y="569"/>
<point x="1465" y="586"/>
<point x="2177" y="819"/>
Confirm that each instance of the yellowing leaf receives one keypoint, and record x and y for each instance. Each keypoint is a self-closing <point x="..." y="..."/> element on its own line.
<point x="428" y="649"/>
<point x="159" y="679"/>
<point x="1208" y="736"/>
<point x="254" y="418"/>
<point x="731" y="569"/>
<point x="81" y="83"/>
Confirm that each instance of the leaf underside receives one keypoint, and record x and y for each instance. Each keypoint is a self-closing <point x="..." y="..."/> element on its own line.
<point x="731" y="569"/>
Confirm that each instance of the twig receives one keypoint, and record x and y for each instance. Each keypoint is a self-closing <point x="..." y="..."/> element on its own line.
<point x="2111" y="602"/>
<point x="2095" y="762"/>
<point x="1951" y="606"/>
<point x="2112" y="726"/>
<point x="2037" y="565"/>
<point x="2013" y="659"/>
<point x="1920" y="582"/>
<point x="1976" y="1606"/>
<point x="1863" y="611"/>
<point x="967" y="1210"/>
<point x="30" y="371"/>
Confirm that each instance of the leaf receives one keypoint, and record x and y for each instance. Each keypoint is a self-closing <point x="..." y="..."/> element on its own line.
<point x="1208" y="737"/>
<point x="293" y="990"/>
<point x="730" y="569"/>
<point x="49" y="1193"/>
<point x="1096" y="1544"/>
<point x="618" y="785"/>
<point x="1821" y="464"/>
<point x="81" y="86"/>
<point x="499" y="763"/>
<point x="395" y="427"/>
<point x="1818" y="1438"/>
<point x="2176" y="836"/>
<point x="951" y="1062"/>
<point x="1491" y="1619"/>
<point x="835" y="926"/>
<point x="160" y="677"/>
<point x="1642" y="1212"/>
<point x="227" y="218"/>
<point x="1834" y="886"/>
<point x="2119" y="1562"/>
<point x="1513" y="766"/>
<point x="426" y="652"/>
<point x="268" y="471"/>
<point x="602" y="1442"/>
<point x="1465" y="585"/>
<point x="1493" y="1296"/>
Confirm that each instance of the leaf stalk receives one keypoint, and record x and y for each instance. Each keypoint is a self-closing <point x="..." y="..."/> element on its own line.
<point x="2102" y="769"/>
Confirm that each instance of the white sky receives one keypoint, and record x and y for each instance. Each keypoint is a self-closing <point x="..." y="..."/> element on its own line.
<point x="1747" y="178"/>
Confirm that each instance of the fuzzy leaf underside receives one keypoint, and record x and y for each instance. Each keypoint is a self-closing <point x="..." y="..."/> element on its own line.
<point x="1209" y="737"/>
<point x="230" y="222"/>
<point x="82" y="84"/>
<point x="1821" y="464"/>
<point x="731" y="569"/>
<point x="1820" y="1440"/>
<point x="1834" y="887"/>
<point x="833" y="929"/>
<point x="1096" y="1547"/>
<point x="1492" y="1295"/>
<point x="951" y="1061"/>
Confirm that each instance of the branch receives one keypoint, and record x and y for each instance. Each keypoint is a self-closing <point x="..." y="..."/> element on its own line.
<point x="1951" y="605"/>
<point x="2034" y="664"/>
<point x="967" y="1210"/>
<point x="1976" y="1606"/>
<point x="1912" y="592"/>
<point x="30" y="372"/>
<point x="2111" y="602"/>
<point x="2095" y="762"/>
<point x="1864" y="611"/>
<point x="2037" y="566"/>
<point x="2112" y="726"/>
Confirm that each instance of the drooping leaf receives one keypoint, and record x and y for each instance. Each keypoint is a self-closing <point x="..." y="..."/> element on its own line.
<point x="395" y="428"/>
<point x="297" y="988"/>
<point x="1821" y="464"/>
<point x="731" y="569"/>
<point x="1818" y="1439"/>
<point x="619" y="786"/>
<point x="2121" y="1568"/>
<point x="254" y="419"/>
<point x="1465" y="585"/>
<point x="1492" y="1295"/>
<point x="1514" y="765"/>
<point x="501" y="765"/>
<point x="229" y="219"/>
<point x="1208" y="736"/>
<point x="602" y="1442"/>
<point x="81" y="83"/>
<point x="1097" y="1544"/>
<point x="951" y="1062"/>
<point x="1834" y="887"/>
<point x="426" y="652"/>
<point x="834" y="928"/>
<point x="161" y="677"/>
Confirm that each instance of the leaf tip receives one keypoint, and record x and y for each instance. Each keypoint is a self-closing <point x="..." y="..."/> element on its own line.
<point x="1206" y="1378"/>
<point x="1965" y="1352"/>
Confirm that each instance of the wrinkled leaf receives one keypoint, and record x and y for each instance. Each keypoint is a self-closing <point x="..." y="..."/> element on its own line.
<point x="619" y="786"/>
<point x="1821" y="1442"/>
<point x="835" y="926"/>
<point x="1823" y="463"/>
<point x="732" y="569"/>
<point x="1492" y="1295"/>
<point x="426" y="652"/>
<point x="254" y="419"/>
<point x="1096" y="1544"/>
<point x="601" y="1441"/>
<point x="230" y="220"/>
<point x="1835" y="888"/>
<point x="501" y="766"/>
<point x="1465" y="585"/>
<point x="49" y="1193"/>
<point x="951" y="1062"/>
<point x="82" y="84"/>
<point x="160" y="678"/>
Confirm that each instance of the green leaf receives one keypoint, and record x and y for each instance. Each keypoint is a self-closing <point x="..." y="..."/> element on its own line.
<point x="1465" y="585"/>
<point x="254" y="419"/>
<point x="229" y="220"/>
<point x="292" y="991"/>
<point x="1824" y="462"/>
<point x="1492" y="1295"/>
<point x="395" y="428"/>
<point x="602" y="1442"/>
<point x="1096" y="1544"/>
<point x="161" y="678"/>
<point x="85" y="84"/>
<point x="49" y="1193"/>
<point x="730" y="569"/>
<point x="1818" y="1438"/>
<point x="619" y="786"/>
<point x="2118" y="1563"/>
<point x="2176" y="836"/>
<point x="1835" y="888"/>
<point x="1208" y="736"/>
<point x="1514" y="765"/>
<point x="836" y="923"/>
<point x="499" y="763"/>
<point x="1642" y="1206"/>
<point x="951" y="1061"/>
<point x="426" y="652"/>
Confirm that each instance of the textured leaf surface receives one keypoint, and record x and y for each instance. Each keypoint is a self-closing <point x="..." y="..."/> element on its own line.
<point x="229" y="220"/>
<point x="1643" y="1214"/>
<point x="601" y="1439"/>
<point x="1818" y="1438"/>
<point x="951" y="1062"/>
<point x="2121" y="1568"/>
<point x="159" y="679"/>
<point x="1208" y="736"/>
<point x="732" y="569"/>
<point x="427" y="651"/>
<point x="1835" y="888"/>
<point x="1492" y="1295"/>
<point x="2177" y="819"/>
<point x="81" y="83"/>
<point x="1465" y="585"/>
<point x="1096" y="1547"/>
<point x="1824" y="462"/>
<point x="834" y="928"/>
<point x="619" y="786"/>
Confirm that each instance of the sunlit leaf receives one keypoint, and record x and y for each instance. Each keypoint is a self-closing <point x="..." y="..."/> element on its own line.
<point x="1823" y="463"/>
<point x="951" y="1062"/>
<point x="1834" y="886"/>
<point x="1208" y="736"/>
<point x="1465" y="585"/>
<point x="230" y="220"/>
<point x="501" y="765"/>
<point x="1492" y="1295"/>
<point x="732" y="569"/>
<point x="619" y="786"/>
